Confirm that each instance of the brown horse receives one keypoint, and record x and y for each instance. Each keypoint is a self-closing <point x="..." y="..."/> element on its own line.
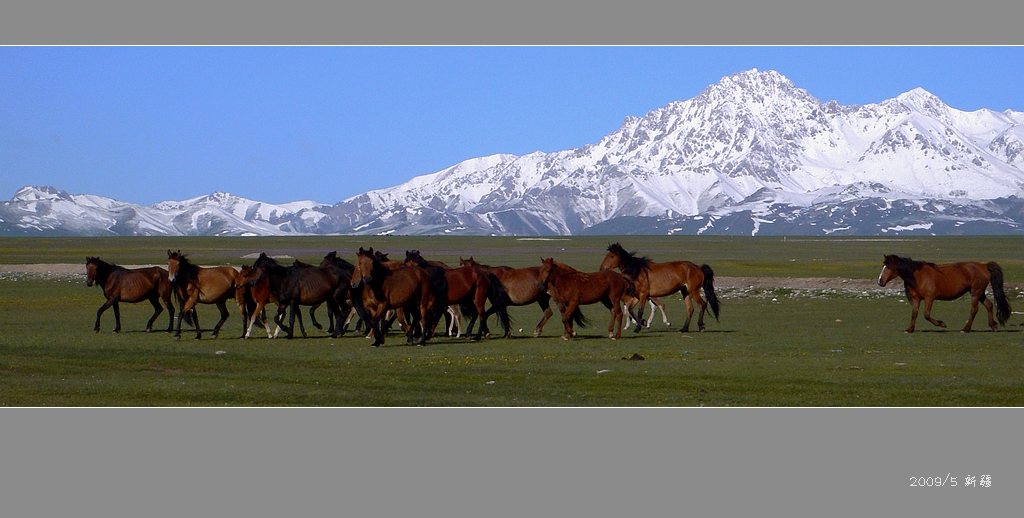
<point x="572" y="288"/>
<point x="194" y="284"/>
<point x="522" y="288"/>
<point x="250" y="288"/>
<point x="129" y="285"/>
<point x="930" y="282"/>
<point x="409" y="287"/>
<point x="469" y="288"/>
<point x="661" y="279"/>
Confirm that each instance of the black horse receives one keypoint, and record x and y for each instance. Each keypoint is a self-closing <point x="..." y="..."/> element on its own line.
<point x="301" y="285"/>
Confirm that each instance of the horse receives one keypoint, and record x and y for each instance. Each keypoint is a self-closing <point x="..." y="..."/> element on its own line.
<point x="129" y="285"/>
<point x="469" y="287"/>
<point x="409" y="287"/>
<point x="930" y="282"/>
<point x="250" y="288"/>
<point x="572" y="288"/>
<point x="654" y="279"/>
<point x="522" y="288"/>
<point x="343" y="292"/>
<point x="194" y="284"/>
<point x="301" y="285"/>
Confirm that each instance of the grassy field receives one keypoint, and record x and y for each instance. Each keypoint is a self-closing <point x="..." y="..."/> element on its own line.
<point x="772" y="347"/>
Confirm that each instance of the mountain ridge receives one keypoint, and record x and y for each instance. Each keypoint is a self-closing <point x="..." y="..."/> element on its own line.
<point x="751" y="154"/>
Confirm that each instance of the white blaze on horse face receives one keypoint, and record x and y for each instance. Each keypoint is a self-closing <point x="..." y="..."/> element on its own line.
<point x="882" y="274"/>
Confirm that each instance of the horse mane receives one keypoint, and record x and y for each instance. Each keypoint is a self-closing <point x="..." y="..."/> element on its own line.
<point x="631" y="265"/>
<point x="333" y="259"/>
<point x="905" y="268"/>
<point x="187" y="271"/>
<point x="103" y="269"/>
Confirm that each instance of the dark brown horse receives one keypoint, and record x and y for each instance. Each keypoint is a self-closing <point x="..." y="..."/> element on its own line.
<point x="129" y="285"/>
<point x="662" y="279"/>
<point x="302" y="285"/>
<point x="930" y="282"/>
<point x="409" y="288"/>
<point x="194" y="284"/>
<point x="469" y="288"/>
<point x="522" y="288"/>
<point x="572" y="288"/>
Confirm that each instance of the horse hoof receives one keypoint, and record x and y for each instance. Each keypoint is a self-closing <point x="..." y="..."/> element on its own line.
<point x="149" y="330"/>
<point x="176" y="338"/>
<point x="213" y="337"/>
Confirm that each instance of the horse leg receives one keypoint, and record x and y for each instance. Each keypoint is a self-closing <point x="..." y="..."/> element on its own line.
<point x="660" y="305"/>
<point x="545" y="304"/>
<point x="642" y="303"/>
<point x="689" y="313"/>
<point x="170" y="311"/>
<point x="617" y="319"/>
<point x="915" y="303"/>
<point x="312" y="315"/>
<point x="928" y="313"/>
<point x="703" y="308"/>
<point x="988" y="306"/>
<point x="99" y="313"/>
<point x="223" y="307"/>
<point x="297" y="312"/>
<point x="567" y="311"/>
<point x="117" y="317"/>
<point x="974" y="311"/>
<point x="157" y="309"/>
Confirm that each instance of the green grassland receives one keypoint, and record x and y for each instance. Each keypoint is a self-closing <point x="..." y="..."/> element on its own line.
<point x="771" y="347"/>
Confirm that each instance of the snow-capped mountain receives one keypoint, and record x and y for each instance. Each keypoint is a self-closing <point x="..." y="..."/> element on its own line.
<point x="752" y="154"/>
<point x="46" y="210"/>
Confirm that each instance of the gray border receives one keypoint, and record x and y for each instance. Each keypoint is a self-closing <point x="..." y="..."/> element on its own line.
<point x="605" y="462"/>
<point x="469" y="22"/>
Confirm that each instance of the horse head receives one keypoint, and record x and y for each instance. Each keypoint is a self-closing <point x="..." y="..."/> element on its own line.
<point x="413" y="258"/>
<point x="366" y="261"/>
<point x="544" y="274"/>
<point x="614" y="257"/>
<point x="92" y="265"/>
<point x="174" y="260"/>
<point x="890" y="269"/>
<point x="467" y="262"/>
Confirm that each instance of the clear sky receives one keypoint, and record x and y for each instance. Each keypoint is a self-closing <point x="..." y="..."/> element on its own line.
<point x="280" y="124"/>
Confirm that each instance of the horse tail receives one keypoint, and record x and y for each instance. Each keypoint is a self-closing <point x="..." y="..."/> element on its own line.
<point x="500" y="300"/>
<point x="709" y="288"/>
<point x="1002" y="305"/>
<point x="578" y="318"/>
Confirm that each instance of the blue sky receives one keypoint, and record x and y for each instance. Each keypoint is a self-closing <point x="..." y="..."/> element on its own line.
<point x="280" y="124"/>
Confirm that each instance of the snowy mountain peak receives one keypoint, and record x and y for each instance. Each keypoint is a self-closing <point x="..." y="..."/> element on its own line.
<point x="751" y="154"/>
<point x="35" y="193"/>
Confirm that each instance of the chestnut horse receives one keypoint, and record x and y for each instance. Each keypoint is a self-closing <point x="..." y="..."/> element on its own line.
<point x="253" y="294"/>
<point x="409" y="287"/>
<point x="469" y="287"/>
<point x="129" y="285"/>
<point x="522" y="288"/>
<point x="194" y="284"/>
<point x="661" y="279"/>
<point x="930" y="282"/>
<point x="572" y="288"/>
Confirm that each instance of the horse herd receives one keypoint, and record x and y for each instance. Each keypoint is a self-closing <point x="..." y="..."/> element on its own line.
<point x="418" y="293"/>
